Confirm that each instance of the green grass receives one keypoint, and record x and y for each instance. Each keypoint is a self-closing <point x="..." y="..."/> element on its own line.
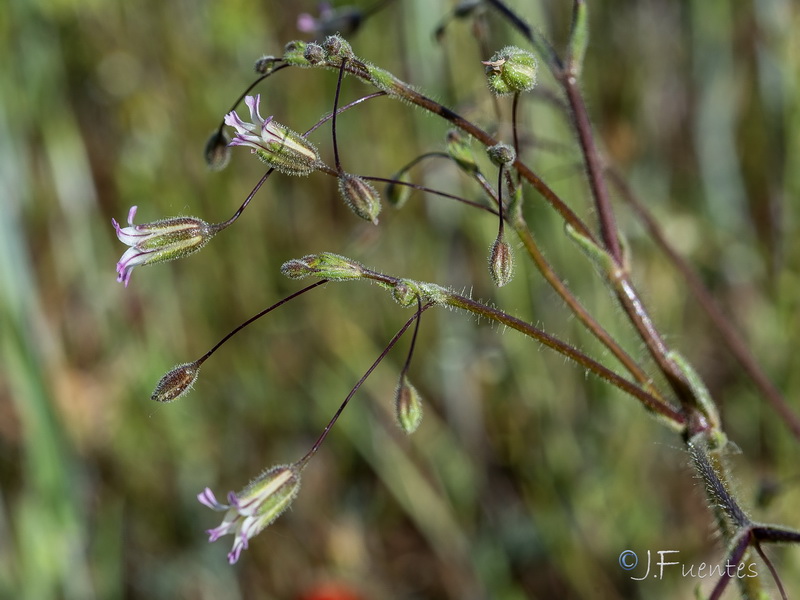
<point x="526" y="478"/>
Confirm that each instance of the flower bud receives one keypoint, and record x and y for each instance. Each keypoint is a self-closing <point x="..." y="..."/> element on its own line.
<point x="502" y="154"/>
<point x="159" y="241"/>
<point x="297" y="268"/>
<point x="176" y="383"/>
<point x="362" y="198"/>
<point x="294" y="54"/>
<point x="501" y="262"/>
<point x="459" y="150"/>
<point x="217" y="152"/>
<point x="265" y="64"/>
<point x="397" y="194"/>
<point x="255" y="507"/>
<point x="277" y="145"/>
<point x="511" y="70"/>
<point x="336" y="45"/>
<point x="314" y="54"/>
<point x="408" y="406"/>
<point x="325" y="265"/>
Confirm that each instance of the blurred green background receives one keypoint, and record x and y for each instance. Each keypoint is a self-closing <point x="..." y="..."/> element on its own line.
<point x="527" y="478"/>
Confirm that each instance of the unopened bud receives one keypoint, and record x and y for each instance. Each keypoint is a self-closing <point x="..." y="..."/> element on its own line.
<point x="336" y="45"/>
<point x="314" y="54"/>
<point x="217" y="153"/>
<point x="458" y="148"/>
<point x="265" y="64"/>
<point x="502" y="154"/>
<point x="176" y="383"/>
<point x="396" y="193"/>
<point x="362" y="198"/>
<point x="511" y="70"/>
<point x="501" y="262"/>
<point x="325" y="265"/>
<point x="294" y="54"/>
<point x="408" y="406"/>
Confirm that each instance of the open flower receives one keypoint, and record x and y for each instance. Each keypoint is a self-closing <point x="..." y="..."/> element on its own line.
<point x="278" y="146"/>
<point x="255" y="507"/>
<point x="159" y="241"/>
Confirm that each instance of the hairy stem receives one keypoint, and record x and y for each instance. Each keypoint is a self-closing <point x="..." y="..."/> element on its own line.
<point x="546" y="270"/>
<point x="658" y="406"/>
<point x="733" y="340"/>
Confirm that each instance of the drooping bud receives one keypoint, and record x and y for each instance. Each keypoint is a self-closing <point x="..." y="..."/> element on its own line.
<point x="265" y="64"/>
<point x="362" y="198"/>
<point x="176" y="383"/>
<point x="217" y="153"/>
<point x="397" y="194"/>
<point x="277" y="145"/>
<point x="511" y="70"/>
<point x="255" y="507"/>
<point x="501" y="262"/>
<point x="325" y="265"/>
<point x="159" y="241"/>
<point x="458" y="148"/>
<point x="408" y="406"/>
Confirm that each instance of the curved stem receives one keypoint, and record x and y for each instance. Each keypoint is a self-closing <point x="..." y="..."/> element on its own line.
<point x="333" y="119"/>
<point x="238" y="213"/>
<point x="413" y="339"/>
<point x="327" y="118"/>
<point x="249" y="89"/>
<point x="257" y="316"/>
<point x="500" y="227"/>
<point x="300" y="463"/>
<point x="422" y="188"/>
